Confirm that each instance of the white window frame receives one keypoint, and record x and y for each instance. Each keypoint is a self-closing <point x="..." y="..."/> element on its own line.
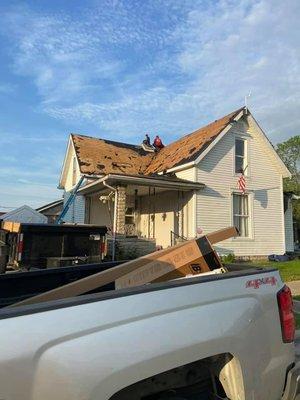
<point x="74" y="171"/>
<point x="250" y="236"/>
<point x="246" y="155"/>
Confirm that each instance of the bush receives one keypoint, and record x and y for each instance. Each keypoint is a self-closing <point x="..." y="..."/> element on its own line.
<point x="228" y="259"/>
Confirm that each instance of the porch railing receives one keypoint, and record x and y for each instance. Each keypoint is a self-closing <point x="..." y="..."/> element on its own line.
<point x="175" y="238"/>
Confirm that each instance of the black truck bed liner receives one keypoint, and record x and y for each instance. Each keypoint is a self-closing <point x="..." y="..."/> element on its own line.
<point x="17" y="286"/>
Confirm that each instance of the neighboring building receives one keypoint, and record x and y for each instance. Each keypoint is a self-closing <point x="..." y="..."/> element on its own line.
<point x="189" y="186"/>
<point x="51" y="210"/>
<point x="24" y="214"/>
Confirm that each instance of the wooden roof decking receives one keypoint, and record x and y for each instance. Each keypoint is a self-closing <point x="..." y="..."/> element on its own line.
<point x="101" y="157"/>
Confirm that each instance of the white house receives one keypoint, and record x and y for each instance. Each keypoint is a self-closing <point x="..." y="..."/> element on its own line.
<point x="191" y="185"/>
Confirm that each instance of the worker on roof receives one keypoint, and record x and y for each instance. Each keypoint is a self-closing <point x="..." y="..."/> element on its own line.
<point x="157" y="144"/>
<point x="146" y="141"/>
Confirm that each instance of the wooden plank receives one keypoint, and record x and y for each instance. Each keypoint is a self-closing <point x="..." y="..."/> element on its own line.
<point x="222" y="234"/>
<point x="144" y="269"/>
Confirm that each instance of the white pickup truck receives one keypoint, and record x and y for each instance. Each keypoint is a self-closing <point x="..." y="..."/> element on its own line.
<point x="227" y="336"/>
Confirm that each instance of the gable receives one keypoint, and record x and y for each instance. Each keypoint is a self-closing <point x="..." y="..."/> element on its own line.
<point x="246" y="127"/>
<point x="65" y="181"/>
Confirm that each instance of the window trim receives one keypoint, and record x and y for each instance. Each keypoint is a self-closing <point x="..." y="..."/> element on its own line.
<point x="74" y="171"/>
<point x="248" y="193"/>
<point x="246" y="156"/>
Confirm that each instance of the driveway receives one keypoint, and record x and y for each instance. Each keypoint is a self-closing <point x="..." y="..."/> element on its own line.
<point x="295" y="287"/>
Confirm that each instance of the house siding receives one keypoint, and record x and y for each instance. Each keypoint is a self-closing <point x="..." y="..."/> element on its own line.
<point x="69" y="170"/>
<point x="99" y="213"/>
<point x="76" y="212"/>
<point x="189" y="209"/>
<point x="158" y="216"/>
<point x="289" y="233"/>
<point x="264" y="184"/>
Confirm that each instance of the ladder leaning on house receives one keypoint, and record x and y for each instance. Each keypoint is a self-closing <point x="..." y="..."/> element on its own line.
<point x="69" y="201"/>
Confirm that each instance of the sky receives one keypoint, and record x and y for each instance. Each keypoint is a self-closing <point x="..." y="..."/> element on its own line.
<point x="117" y="69"/>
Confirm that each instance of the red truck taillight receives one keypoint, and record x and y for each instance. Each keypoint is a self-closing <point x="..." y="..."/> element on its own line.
<point x="287" y="319"/>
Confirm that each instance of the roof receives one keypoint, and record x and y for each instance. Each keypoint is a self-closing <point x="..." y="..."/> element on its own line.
<point x="24" y="214"/>
<point x="48" y="206"/>
<point x="189" y="147"/>
<point x="100" y="157"/>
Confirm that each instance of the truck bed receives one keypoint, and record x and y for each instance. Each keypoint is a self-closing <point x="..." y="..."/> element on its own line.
<point x="103" y="345"/>
<point x="17" y="286"/>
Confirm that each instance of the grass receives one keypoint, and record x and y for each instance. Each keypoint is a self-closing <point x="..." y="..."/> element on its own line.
<point x="289" y="270"/>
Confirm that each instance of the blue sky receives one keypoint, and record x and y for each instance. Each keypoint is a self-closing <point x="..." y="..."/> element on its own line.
<point x="119" y="68"/>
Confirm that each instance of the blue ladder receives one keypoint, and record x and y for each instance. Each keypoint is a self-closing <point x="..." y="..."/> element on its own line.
<point x="69" y="201"/>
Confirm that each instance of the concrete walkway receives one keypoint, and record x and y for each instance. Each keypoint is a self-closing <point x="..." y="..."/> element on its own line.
<point x="295" y="287"/>
<point x="297" y="344"/>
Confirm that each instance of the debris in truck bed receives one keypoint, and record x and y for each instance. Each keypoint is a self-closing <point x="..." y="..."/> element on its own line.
<point x="190" y="257"/>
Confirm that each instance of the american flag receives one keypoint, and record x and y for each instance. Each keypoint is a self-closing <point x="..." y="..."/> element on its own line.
<point x="242" y="183"/>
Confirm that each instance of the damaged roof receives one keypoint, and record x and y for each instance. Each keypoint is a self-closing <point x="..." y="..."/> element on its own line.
<point x="101" y="157"/>
<point x="189" y="147"/>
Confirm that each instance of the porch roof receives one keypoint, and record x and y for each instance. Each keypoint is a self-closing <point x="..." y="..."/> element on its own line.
<point x="160" y="181"/>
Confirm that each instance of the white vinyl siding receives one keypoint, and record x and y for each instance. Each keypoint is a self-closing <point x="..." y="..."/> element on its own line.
<point x="76" y="212"/>
<point x="189" y="210"/>
<point x="72" y="170"/>
<point x="214" y="203"/>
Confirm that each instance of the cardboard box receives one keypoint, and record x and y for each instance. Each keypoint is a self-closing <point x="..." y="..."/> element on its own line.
<point x="222" y="234"/>
<point x="190" y="257"/>
<point x="194" y="257"/>
<point x="11" y="226"/>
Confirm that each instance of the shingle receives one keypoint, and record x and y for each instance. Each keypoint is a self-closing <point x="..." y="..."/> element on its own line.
<point x="98" y="156"/>
<point x="190" y="146"/>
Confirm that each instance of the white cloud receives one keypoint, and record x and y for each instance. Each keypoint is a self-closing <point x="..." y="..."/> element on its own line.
<point x="169" y="67"/>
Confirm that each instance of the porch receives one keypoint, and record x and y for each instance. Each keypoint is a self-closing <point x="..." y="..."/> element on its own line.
<point x="156" y="208"/>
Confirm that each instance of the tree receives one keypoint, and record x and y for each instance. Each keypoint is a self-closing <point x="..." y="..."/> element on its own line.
<point x="289" y="152"/>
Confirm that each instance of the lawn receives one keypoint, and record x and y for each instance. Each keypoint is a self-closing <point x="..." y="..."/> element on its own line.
<point x="289" y="270"/>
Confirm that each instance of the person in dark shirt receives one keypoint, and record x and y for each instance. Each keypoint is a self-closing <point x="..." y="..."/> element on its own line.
<point x="146" y="141"/>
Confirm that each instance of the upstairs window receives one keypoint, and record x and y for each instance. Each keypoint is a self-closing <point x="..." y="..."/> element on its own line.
<point x="241" y="213"/>
<point x="74" y="171"/>
<point x="240" y="156"/>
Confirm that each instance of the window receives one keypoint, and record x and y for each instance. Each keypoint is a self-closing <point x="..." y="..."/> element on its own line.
<point x="74" y="172"/>
<point x="129" y="215"/>
<point x="241" y="213"/>
<point x="240" y="155"/>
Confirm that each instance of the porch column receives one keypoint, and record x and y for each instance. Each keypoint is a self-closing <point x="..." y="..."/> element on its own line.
<point x="121" y="208"/>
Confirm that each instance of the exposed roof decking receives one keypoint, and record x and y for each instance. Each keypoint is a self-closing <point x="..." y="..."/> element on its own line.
<point x="101" y="157"/>
<point x="98" y="156"/>
<point x="190" y="146"/>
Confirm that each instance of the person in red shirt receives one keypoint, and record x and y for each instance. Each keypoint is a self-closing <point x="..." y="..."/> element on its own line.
<point x="157" y="144"/>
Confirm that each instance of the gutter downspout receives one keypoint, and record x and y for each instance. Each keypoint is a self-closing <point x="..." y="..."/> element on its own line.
<point x="115" y="219"/>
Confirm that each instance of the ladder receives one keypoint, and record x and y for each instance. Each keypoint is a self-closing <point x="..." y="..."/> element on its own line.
<point x="69" y="201"/>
